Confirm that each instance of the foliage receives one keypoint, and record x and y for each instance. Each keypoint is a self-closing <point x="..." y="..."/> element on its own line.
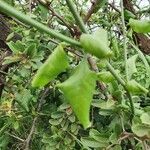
<point x="92" y="95"/>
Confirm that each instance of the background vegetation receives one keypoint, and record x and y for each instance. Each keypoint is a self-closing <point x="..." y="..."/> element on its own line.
<point x="41" y="118"/>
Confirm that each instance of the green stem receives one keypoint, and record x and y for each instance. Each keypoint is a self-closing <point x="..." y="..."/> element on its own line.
<point x="115" y="74"/>
<point x="124" y="41"/>
<point x="76" y="16"/>
<point x="11" y="11"/>
<point x="118" y="78"/>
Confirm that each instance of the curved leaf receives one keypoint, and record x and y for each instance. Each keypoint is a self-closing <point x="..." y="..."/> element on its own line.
<point x="78" y="90"/>
<point x="96" y="44"/>
<point x="131" y="65"/>
<point x="140" y="26"/>
<point x="54" y="65"/>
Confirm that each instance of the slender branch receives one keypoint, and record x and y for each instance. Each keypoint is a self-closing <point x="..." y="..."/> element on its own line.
<point x="112" y="6"/>
<point x="91" y="10"/>
<point x="14" y="136"/>
<point x="5" y="8"/>
<point x="68" y="49"/>
<point x="76" y="16"/>
<point x="59" y="17"/>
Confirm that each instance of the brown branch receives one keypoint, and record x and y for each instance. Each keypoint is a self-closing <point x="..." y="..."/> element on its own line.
<point x="91" y="10"/>
<point x="58" y="16"/>
<point x="113" y="7"/>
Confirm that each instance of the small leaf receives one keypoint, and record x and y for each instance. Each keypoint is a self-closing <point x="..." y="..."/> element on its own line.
<point x="141" y="130"/>
<point x="54" y="65"/>
<point x="145" y="118"/>
<point x="104" y="105"/>
<point x="131" y="65"/>
<point x="90" y="142"/>
<point x="16" y="47"/>
<point x="140" y="26"/>
<point x="24" y="98"/>
<point x="10" y="36"/>
<point x="57" y="115"/>
<point x="99" y="136"/>
<point x="55" y="122"/>
<point x="78" y="90"/>
<point x="31" y="50"/>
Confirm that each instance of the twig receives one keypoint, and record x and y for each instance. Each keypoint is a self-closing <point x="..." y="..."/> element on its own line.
<point x="59" y="17"/>
<point x="116" y="9"/>
<point x="91" y="10"/>
<point x="29" y="137"/>
<point x="16" y="137"/>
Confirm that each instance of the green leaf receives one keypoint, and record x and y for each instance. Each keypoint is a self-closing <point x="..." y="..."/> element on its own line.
<point x="109" y="104"/>
<point x="90" y="142"/>
<point x="105" y="76"/>
<point x="141" y="130"/>
<point x="54" y="65"/>
<point x="10" y="36"/>
<point x="4" y="141"/>
<point x="55" y="122"/>
<point x="96" y="44"/>
<point x="31" y="50"/>
<point x="140" y="26"/>
<point x="78" y="90"/>
<point x="103" y="138"/>
<point x="16" y="47"/>
<point x="145" y="118"/>
<point x="131" y="65"/>
<point x="24" y="98"/>
<point x="135" y="87"/>
<point x="128" y="14"/>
